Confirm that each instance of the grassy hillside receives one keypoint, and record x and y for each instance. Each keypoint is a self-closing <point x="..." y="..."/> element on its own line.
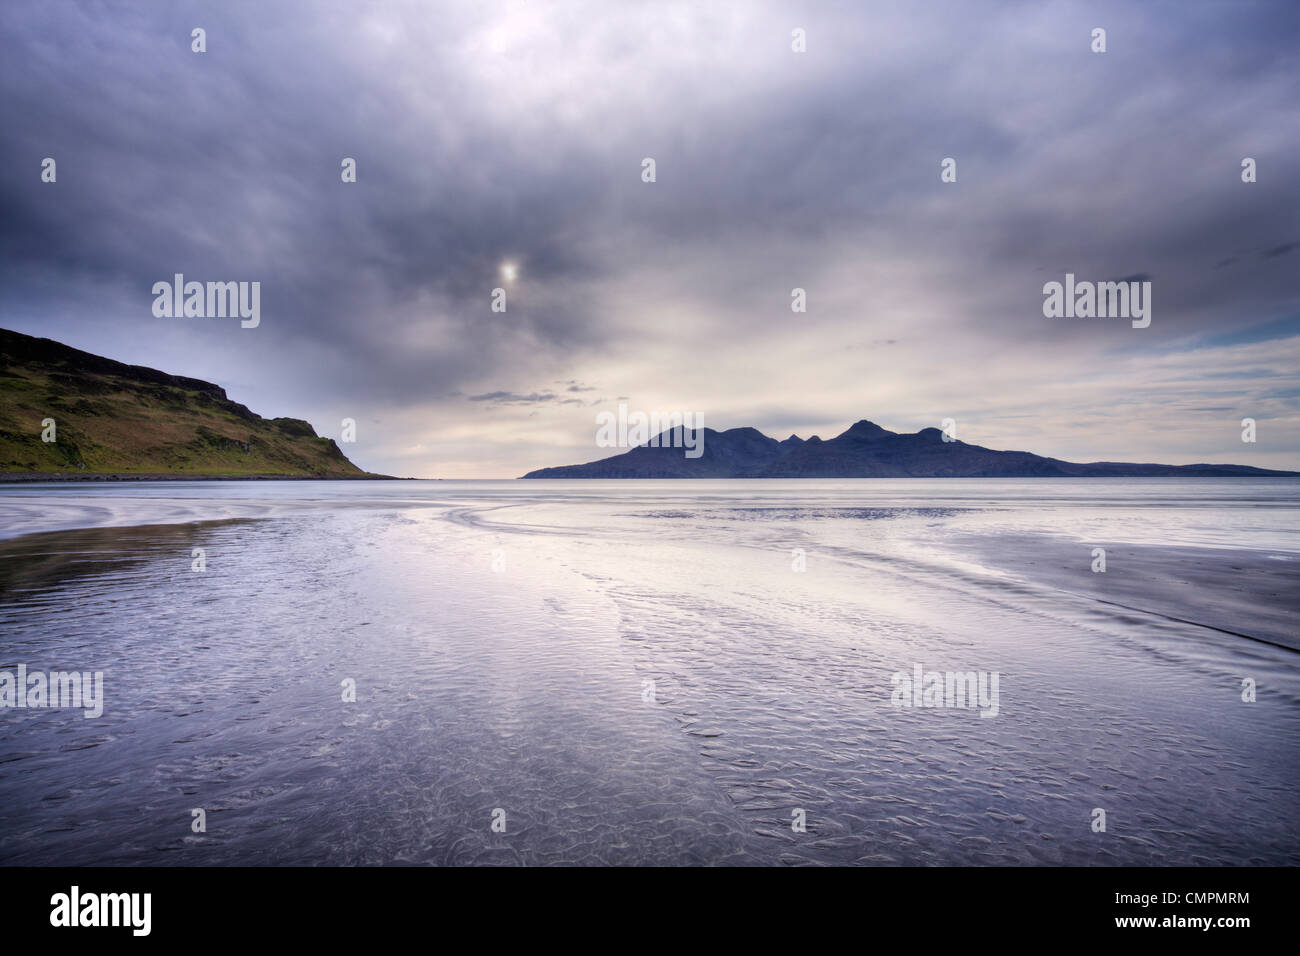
<point x="113" y="418"/>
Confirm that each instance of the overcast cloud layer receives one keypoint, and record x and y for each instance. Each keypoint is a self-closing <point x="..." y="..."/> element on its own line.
<point x="487" y="134"/>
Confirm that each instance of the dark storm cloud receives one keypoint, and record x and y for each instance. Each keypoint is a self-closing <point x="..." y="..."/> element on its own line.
<point x="226" y="165"/>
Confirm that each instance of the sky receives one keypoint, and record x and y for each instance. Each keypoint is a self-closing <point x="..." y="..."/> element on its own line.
<point x="501" y="145"/>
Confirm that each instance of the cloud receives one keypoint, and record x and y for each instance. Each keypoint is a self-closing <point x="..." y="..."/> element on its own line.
<point x="1280" y="250"/>
<point x="510" y="398"/>
<point x="487" y="133"/>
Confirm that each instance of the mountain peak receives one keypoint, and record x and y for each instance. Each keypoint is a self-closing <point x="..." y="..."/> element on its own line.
<point x="866" y="430"/>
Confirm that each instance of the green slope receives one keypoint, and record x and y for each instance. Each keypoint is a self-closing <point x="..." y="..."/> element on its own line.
<point x="112" y="418"/>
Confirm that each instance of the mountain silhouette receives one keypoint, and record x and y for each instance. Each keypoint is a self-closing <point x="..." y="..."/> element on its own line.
<point x="865" y="450"/>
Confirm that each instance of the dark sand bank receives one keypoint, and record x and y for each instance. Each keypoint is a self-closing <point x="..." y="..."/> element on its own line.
<point x="1254" y="594"/>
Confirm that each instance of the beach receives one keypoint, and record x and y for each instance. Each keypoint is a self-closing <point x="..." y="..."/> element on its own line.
<point x="648" y="672"/>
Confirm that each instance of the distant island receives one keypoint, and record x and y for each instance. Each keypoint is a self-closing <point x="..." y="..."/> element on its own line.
<point x="863" y="451"/>
<point x="112" y="420"/>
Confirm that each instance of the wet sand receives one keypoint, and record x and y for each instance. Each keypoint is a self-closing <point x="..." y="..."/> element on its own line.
<point x="1247" y="593"/>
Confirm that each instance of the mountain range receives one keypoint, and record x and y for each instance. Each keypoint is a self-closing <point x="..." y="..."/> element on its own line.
<point x="865" y="450"/>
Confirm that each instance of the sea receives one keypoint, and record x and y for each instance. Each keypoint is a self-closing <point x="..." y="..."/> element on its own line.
<point x="738" y="672"/>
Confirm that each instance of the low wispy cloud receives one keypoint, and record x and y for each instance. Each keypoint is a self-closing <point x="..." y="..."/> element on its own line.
<point x="510" y="398"/>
